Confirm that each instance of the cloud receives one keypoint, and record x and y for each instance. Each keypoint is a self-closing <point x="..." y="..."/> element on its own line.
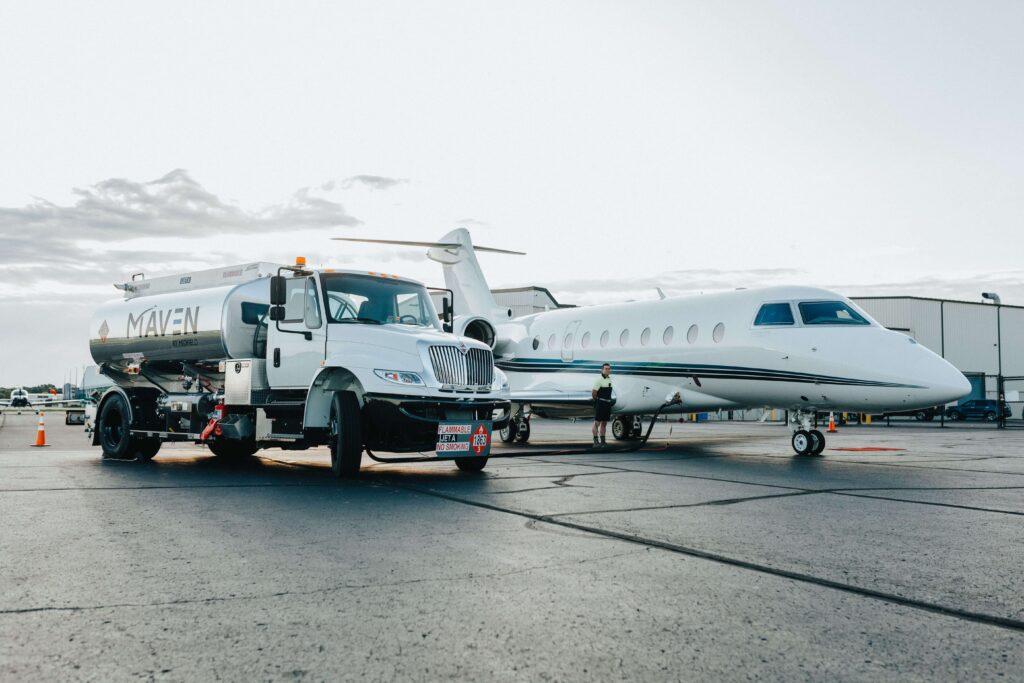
<point x="374" y="182"/>
<point x="47" y="241"/>
<point x="673" y="283"/>
<point x="174" y="205"/>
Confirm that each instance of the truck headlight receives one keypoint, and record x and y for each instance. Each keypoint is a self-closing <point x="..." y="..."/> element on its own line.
<point x="500" y="381"/>
<point x="399" y="377"/>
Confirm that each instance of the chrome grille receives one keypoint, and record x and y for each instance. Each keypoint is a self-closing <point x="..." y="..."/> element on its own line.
<point x="451" y="366"/>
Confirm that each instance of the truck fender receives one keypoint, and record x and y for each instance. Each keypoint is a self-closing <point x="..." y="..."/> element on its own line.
<point x="99" y="409"/>
<point x="321" y="392"/>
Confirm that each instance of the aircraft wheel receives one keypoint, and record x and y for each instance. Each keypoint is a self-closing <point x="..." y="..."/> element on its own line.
<point x="508" y="432"/>
<point x="637" y="428"/>
<point x="802" y="442"/>
<point x="346" y="435"/>
<point x="819" y="442"/>
<point x="621" y="429"/>
<point x="523" y="431"/>
<point x="470" y="464"/>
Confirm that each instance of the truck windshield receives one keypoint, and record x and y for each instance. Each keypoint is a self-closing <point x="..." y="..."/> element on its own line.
<point x="375" y="300"/>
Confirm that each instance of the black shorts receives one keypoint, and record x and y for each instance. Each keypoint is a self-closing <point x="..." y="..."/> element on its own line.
<point x="602" y="411"/>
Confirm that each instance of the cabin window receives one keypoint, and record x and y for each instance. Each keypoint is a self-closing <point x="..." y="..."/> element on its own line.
<point x="624" y="338"/>
<point x="295" y="300"/>
<point x="718" y="332"/>
<point x="604" y="339"/>
<point x="312" y="310"/>
<point x="645" y="336"/>
<point x="551" y="341"/>
<point x="567" y="342"/>
<point x="666" y="338"/>
<point x="691" y="334"/>
<point x="774" y="314"/>
<point x="830" y="313"/>
<point x="536" y="343"/>
<point x="252" y="312"/>
<point x="585" y="341"/>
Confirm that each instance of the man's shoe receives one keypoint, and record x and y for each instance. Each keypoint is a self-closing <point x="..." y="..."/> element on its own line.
<point x="604" y="444"/>
<point x="596" y="444"/>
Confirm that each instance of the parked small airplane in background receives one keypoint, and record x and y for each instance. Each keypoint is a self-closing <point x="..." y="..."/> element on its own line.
<point x="20" y="398"/>
<point x="801" y="349"/>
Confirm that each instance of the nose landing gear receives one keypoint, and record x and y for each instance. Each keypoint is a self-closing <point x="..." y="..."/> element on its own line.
<point x="806" y="441"/>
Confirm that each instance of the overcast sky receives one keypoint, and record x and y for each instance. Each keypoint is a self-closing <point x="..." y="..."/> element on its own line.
<point x="871" y="147"/>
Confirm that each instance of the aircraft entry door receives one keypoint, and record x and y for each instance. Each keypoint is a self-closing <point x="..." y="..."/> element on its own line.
<point x="569" y="340"/>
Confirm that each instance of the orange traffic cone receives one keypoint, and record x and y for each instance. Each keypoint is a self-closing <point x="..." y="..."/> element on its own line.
<point x="832" y="423"/>
<point x="41" y="432"/>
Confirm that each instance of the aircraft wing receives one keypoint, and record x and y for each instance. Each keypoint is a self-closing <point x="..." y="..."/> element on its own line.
<point x="553" y="397"/>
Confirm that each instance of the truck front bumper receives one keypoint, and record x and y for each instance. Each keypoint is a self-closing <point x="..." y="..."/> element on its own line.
<point x="404" y="424"/>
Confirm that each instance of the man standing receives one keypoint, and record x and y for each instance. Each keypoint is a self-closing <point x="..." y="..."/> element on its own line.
<point x="602" y="395"/>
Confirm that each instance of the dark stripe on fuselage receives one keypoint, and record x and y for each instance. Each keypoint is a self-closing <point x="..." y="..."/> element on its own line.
<point x="696" y="370"/>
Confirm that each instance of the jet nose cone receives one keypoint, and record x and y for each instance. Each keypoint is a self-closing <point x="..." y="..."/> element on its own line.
<point x="948" y="385"/>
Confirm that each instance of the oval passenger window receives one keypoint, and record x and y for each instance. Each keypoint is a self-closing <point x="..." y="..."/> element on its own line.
<point x="718" y="332"/>
<point x="645" y="336"/>
<point x="691" y="334"/>
<point x="624" y="338"/>
<point x="604" y="339"/>
<point x="667" y="337"/>
<point x="585" y="341"/>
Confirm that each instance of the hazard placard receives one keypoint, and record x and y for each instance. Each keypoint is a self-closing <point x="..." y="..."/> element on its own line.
<point x="464" y="439"/>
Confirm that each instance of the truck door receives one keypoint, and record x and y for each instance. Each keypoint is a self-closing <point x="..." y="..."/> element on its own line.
<point x="297" y="344"/>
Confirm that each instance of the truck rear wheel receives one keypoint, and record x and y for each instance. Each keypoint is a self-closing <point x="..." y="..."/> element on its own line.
<point x="232" y="450"/>
<point x="346" y="435"/>
<point x="470" y="464"/>
<point x="145" y="449"/>
<point x="114" y="425"/>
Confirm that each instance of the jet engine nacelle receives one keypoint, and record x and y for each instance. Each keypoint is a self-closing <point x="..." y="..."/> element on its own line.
<point x="475" y="327"/>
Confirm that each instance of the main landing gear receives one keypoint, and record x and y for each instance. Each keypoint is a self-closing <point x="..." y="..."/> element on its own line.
<point x="518" y="429"/>
<point x="625" y="427"/>
<point x="806" y="441"/>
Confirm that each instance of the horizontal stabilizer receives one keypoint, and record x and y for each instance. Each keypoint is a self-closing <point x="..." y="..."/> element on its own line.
<point x="431" y="245"/>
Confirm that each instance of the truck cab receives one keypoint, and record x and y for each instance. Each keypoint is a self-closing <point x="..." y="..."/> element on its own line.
<point x="291" y="357"/>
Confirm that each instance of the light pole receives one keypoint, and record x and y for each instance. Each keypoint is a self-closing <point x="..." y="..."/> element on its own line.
<point x="994" y="298"/>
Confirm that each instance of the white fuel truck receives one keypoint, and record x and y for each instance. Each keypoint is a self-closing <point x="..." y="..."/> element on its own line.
<point x="263" y="355"/>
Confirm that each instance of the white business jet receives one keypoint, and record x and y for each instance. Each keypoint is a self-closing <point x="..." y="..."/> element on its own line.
<point x="801" y="349"/>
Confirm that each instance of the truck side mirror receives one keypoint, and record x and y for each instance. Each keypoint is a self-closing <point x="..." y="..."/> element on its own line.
<point x="278" y="292"/>
<point x="446" y="314"/>
<point x="277" y="312"/>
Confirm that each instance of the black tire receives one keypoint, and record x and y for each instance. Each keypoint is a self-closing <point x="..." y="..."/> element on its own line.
<point x="145" y="449"/>
<point x="621" y="429"/>
<point x="346" y="439"/>
<point x="920" y="416"/>
<point x="523" y="431"/>
<point x="508" y="432"/>
<point x="990" y="416"/>
<point x="954" y="415"/>
<point x="819" y="442"/>
<point x="114" y="426"/>
<point x="929" y="417"/>
<point x="802" y="442"/>
<point x="232" y="450"/>
<point x="636" y="428"/>
<point x="471" y="464"/>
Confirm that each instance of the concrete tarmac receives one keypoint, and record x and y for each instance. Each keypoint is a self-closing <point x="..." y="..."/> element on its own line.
<point x="711" y="554"/>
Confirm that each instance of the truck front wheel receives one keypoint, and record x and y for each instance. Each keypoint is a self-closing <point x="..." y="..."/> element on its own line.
<point x="346" y="435"/>
<point x="470" y="464"/>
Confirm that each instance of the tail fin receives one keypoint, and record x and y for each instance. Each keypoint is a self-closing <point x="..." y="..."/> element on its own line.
<point x="462" y="274"/>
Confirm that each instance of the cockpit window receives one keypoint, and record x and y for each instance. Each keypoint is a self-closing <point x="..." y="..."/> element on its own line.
<point x="774" y="314"/>
<point x="830" y="313"/>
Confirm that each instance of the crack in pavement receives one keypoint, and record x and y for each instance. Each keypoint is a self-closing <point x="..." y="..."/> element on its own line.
<point x="934" y="608"/>
<point x="316" y="591"/>
<point x="720" y="501"/>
